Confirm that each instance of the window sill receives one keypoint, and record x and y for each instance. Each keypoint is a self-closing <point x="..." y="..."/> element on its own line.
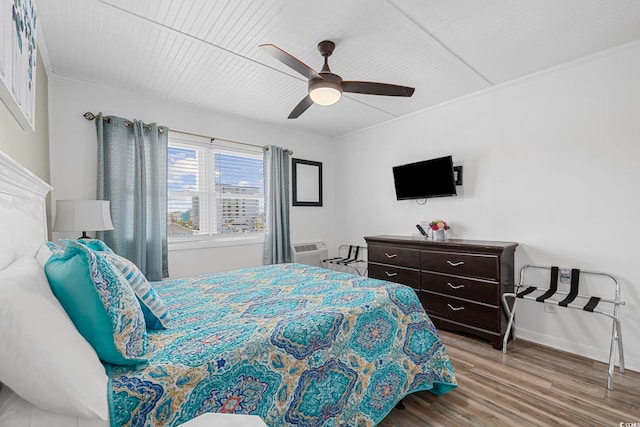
<point x="216" y="242"/>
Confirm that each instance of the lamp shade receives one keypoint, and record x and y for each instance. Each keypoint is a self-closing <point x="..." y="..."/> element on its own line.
<point x="83" y="215"/>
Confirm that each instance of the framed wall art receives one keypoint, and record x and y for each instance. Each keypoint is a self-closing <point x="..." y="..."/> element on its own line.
<point x="306" y="182"/>
<point x="18" y="44"/>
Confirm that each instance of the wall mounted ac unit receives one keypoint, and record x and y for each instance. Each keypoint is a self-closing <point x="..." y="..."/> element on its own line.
<point x="309" y="253"/>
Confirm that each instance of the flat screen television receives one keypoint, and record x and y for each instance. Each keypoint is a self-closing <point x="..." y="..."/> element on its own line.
<point x="426" y="179"/>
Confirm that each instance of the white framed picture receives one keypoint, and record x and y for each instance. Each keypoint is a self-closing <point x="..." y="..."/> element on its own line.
<point x="18" y="55"/>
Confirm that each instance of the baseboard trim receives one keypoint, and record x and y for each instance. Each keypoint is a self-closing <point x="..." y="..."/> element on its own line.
<point x="590" y="352"/>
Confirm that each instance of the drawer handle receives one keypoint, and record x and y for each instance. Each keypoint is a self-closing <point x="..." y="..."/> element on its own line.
<point x="455" y="286"/>
<point x="455" y="264"/>
<point x="390" y="274"/>
<point x="455" y="308"/>
<point x="391" y="255"/>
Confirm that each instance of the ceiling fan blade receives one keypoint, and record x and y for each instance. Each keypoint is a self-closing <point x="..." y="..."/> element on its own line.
<point x="290" y="61"/>
<point x="301" y="107"/>
<point x="373" y="88"/>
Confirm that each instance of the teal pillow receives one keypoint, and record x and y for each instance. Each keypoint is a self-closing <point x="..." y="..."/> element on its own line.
<point x="99" y="301"/>
<point x="156" y="314"/>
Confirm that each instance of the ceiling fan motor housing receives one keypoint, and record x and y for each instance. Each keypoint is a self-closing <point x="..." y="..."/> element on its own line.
<point x="326" y="47"/>
<point x="329" y="80"/>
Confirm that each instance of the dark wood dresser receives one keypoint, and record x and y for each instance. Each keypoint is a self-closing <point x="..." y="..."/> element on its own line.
<point x="459" y="282"/>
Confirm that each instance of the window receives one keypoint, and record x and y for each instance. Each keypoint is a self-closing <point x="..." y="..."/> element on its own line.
<point x="214" y="188"/>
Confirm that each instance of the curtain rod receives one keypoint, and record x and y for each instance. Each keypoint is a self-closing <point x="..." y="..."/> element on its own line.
<point x="90" y="116"/>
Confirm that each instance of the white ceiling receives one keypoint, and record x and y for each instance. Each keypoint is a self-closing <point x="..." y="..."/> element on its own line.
<point x="205" y="52"/>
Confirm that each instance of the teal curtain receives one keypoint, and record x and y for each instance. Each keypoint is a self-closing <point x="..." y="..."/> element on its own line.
<point x="276" y="198"/>
<point x="132" y="174"/>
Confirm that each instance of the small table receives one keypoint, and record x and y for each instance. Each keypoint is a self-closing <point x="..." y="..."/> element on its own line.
<point x="225" y="420"/>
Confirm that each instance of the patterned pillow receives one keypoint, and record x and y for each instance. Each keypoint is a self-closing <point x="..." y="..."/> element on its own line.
<point x="99" y="301"/>
<point x="54" y="248"/>
<point x="94" y="244"/>
<point x="155" y="312"/>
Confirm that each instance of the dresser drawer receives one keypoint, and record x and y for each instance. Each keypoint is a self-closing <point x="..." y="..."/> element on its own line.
<point x="394" y="255"/>
<point x="470" y="265"/>
<point x="395" y="274"/>
<point x="462" y="311"/>
<point x="471" y="289"/>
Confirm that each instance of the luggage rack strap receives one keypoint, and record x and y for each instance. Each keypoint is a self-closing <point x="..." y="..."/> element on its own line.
<point x="591" y="305"/>
<point x="553" y="285"/>
<point x="527" y="291"/>
<point x="573" y="293"/>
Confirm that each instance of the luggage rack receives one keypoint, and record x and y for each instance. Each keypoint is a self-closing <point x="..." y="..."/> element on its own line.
<point x="572" y="299"/>
<point x="349" y="260"/>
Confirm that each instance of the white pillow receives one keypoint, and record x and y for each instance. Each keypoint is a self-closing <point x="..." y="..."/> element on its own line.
<point x="43" y="255"/>
<point x="44" y="359"/>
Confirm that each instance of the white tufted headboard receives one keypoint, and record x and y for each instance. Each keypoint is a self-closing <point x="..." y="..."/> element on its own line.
<point x="23" y="225"/>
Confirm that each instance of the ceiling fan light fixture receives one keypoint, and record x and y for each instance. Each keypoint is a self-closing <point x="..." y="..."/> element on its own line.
<point x="325" y="91"/>
<point x="325" y="95"/>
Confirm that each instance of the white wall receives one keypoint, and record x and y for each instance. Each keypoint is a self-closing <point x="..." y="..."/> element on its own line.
<point x="74" y="159"/>
<point x="550" y="161"/>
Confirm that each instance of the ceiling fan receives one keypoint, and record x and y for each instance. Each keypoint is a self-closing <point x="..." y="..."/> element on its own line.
<point x="325" y="88"/>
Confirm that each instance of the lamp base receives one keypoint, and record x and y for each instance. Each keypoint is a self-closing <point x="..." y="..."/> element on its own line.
<point x="84" y="236"/>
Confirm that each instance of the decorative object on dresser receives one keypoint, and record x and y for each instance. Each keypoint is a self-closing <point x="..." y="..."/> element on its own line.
<point x="459" y="282"/>
<point x="438" y="229"/>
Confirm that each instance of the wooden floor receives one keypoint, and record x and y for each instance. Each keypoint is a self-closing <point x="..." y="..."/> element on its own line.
<point x="532" y="385"/>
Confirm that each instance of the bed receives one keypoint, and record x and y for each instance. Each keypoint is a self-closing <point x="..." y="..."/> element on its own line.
<point x="294" y="344"/>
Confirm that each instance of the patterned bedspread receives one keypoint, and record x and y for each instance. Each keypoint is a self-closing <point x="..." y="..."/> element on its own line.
<point x="294" y="344"/>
